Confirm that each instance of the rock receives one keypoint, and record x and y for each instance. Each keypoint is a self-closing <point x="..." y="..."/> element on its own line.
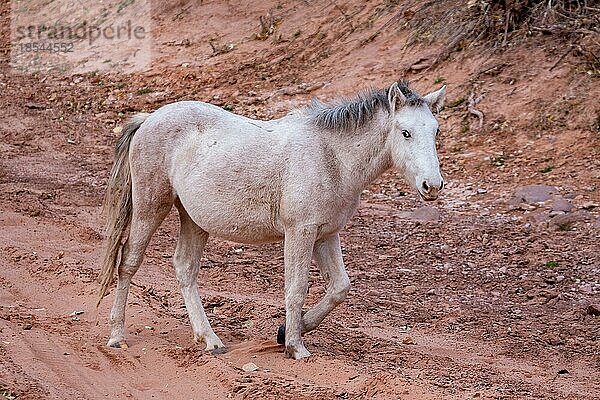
<point x="249" y="367"/>
<point x="533" y="194"/>
<point x="597" y="223"/>
<point x="553" y="339"/>
<point x="532" y="293"/>
<point x="548" y="293"/>
<point x="560" y="204"/>
<point x="565" y="221"/>
<point x="27" y="327"/>
<point x="538" y="216"/>
<point x="586" y="288"/>
<point x="35" y="106"/>
<point x="411" y="289"/>
<point x="593" y="309"/>
<point x="408" y="340"/>
<point x="589" y="205"/>
<point x="425" y="214"/>
<point x="421" y="64"/>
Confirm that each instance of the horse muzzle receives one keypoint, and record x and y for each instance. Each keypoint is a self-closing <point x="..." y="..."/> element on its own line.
<point x="430" y="192"/>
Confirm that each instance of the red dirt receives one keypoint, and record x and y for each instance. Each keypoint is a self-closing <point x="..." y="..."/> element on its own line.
<point x="480" y="296"/>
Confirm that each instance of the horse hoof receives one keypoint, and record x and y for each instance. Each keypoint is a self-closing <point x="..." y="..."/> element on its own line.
<point x="218" y="351"/>
<point x="119" y="345"/>
<point x="281" y="334"/>
<point x="297" y="352"/>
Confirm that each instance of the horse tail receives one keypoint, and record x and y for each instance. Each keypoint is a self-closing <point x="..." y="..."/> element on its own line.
<point x="118" y="203"/>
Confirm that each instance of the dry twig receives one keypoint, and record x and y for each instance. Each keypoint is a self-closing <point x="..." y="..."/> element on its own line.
<point x="473" y="101"/>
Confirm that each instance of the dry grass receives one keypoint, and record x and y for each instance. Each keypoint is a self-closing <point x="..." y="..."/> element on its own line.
<point x="498" y="23"/>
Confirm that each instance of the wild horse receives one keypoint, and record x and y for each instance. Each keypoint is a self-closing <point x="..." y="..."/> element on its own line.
<point x="296" y="179"/>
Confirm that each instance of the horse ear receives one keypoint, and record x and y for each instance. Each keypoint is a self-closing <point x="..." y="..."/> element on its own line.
<point x="435" y="100"/>
<point x="395" y="97"/>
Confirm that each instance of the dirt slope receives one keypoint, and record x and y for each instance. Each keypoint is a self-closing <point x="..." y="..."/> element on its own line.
<point x="484" y="294"/>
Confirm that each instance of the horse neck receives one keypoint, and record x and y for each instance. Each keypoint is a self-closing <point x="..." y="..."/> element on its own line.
<point x="362" y="155"/>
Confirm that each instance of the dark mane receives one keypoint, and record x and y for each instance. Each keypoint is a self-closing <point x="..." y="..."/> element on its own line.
<point x="346" y="115"/>
<point x="413" y="98"/>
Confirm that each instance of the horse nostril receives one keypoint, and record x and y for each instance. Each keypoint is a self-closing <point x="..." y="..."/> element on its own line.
<point x="425" y="187"/>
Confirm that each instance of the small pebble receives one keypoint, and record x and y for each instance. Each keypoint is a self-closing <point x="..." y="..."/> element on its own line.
<point x="411" y="289"/>
<point x="249" y="367"/>
<point x="408" y="340"/>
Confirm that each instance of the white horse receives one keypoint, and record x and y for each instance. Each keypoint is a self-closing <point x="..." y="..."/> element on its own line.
<point x="296" y="179"/>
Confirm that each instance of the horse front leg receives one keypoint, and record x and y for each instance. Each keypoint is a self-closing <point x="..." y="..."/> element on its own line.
<point x="298" y="248"/>
<point x="328" y="255"/>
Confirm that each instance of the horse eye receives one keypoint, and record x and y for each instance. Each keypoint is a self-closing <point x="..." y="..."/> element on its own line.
<point x="406" y="133"/>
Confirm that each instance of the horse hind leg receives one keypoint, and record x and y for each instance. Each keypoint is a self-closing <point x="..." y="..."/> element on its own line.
<point x="186" y="261"/>
<point x="145" y="220"/>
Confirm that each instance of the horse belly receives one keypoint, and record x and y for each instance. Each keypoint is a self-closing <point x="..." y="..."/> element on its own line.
<point x="251" y="226"/>
<point x="232" y="213"/>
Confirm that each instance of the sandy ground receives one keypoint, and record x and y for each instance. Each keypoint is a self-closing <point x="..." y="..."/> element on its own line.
<point x="491" y="292"/>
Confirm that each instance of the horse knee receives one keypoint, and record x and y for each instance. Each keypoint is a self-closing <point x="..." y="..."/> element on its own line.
<point x="340" y="292"/>
<point x="127" y="270"/>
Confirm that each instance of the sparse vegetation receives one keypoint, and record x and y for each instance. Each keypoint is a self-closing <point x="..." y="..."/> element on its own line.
<point x="565" y="226"/>
<point x="268" y="25"/>
<point x="220" y="48"/>
<point x="7" y="394"/>
<point x="144" y="90"/>
<point x="498" y="160"/>
<point x="546" y="169"/>
<point x="496" y="23"/>
<point x="552" y="264"/>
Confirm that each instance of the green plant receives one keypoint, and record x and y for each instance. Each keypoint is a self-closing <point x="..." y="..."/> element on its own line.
<point x="144" y="90"/>
<point x="439" y="79"/>
<point x="547" y="169"/>
<point x="7" y="394"/>
<point x="552" y="264"/>
<point x="499" y="160"/>
<point x="565" y="226"/>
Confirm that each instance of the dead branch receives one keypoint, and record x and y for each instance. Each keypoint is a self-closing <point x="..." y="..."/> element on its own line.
<point x="268" y="25"/>
<point x="561" y="57"/>
<point x="472" y="103"/>
<point x="220" y="48"/>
